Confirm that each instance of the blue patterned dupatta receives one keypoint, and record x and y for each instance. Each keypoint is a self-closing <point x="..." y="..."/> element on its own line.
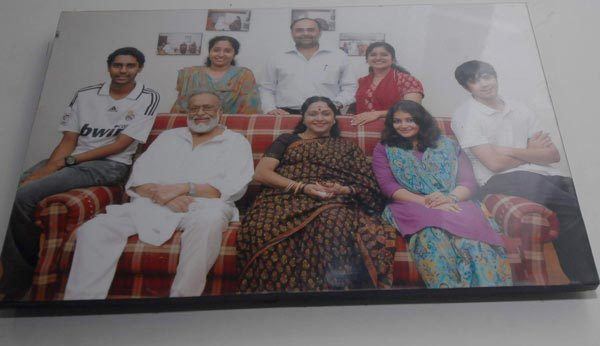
<point x="436" y="171"/>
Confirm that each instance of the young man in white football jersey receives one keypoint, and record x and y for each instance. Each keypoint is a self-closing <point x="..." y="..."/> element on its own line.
<point x="101" y="128"/>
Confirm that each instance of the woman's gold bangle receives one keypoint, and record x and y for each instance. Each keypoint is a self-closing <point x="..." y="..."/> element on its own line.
<point x="298" y="187"/>
<point x="289" y="186"/>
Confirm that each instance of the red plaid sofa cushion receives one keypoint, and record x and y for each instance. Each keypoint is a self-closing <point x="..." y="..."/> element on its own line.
<point x="147" y="271"/>
<point x="261" y="130"/>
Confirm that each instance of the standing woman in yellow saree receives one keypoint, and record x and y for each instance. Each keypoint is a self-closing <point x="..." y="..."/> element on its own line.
<point x="315" y="225"/>
<point x="235" y="85"/>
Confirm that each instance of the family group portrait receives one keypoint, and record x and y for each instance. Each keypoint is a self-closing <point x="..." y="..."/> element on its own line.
<point x="286" y="156"/>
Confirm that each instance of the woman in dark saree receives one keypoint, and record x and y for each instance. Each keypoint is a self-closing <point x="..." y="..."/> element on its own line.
<point x="314" y="226"/>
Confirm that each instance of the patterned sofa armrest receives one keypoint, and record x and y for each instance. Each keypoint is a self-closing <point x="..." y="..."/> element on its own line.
<point x="522" y="218"/>
<point x="58" y="216"/>
<point x="529" y="226"/>
<point x="67" y="210"/>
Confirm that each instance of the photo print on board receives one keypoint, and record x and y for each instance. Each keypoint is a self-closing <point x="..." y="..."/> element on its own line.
<point x="228" y="20"/>
<point x="179" y="43"/>
<point x="325" y="17"/>
<point x="356" y="44"/>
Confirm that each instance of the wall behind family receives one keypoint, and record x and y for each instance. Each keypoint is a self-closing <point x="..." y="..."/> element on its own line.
<point x="430" y="42"/>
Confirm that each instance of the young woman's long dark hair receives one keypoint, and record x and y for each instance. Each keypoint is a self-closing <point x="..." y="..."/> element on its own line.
<point x="429" y="132"/>
<point x="388" y="47"/>
<point x="335" y="129"/>
<point x="234" y="43"/>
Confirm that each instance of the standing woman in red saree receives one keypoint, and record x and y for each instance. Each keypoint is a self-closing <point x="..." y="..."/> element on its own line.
<point x="314" y="226"/>
<point x="386" y="84"/>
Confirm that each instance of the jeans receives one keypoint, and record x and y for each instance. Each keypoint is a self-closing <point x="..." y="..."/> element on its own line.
<point x="21" y="246"/>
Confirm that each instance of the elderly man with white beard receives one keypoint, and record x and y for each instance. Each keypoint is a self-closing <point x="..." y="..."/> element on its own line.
<point x="189" y="178"/>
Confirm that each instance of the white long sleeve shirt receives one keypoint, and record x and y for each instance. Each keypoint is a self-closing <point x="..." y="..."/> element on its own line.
<point x="476" y="124"/>
<point x="289" y="78"/>
<point x="224" y="162"/>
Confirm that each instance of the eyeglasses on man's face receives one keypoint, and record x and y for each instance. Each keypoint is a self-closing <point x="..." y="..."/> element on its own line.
<point x="200" y="109"/>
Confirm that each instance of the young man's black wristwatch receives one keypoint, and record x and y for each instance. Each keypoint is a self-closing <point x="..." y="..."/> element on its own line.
<point x="70" y="161"/>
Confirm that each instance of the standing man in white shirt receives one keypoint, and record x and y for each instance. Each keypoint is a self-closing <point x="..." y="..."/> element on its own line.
<point x="511" y="154"/>
<point x="101" y="127"/>
<point x="189" y="178"/>
<point x="307" y="70"/>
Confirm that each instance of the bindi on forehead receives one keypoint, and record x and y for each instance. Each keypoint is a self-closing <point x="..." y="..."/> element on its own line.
<point x="320" y="110"/>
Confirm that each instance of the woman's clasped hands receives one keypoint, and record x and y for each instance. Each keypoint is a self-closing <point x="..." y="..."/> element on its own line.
<point x="326" y="190"/>
<point x="438" y="200"/>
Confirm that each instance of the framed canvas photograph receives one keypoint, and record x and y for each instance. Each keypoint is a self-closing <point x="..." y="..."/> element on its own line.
<point x="417" y="157"/>
<point x="357" y="44"/>
<point x="228" y="20"/>
<point x="179" y="44"/>
<point x="325" y="17"/>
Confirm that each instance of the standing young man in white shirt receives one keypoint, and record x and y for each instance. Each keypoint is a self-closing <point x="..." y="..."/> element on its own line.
<point x="511" y="154"/>
<point x="101" y="127"/>
<point x="189" y="178"/>
<point x="307" y="70"/>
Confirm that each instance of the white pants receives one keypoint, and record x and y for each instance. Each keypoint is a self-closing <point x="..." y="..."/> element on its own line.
<point x="101" y="241"/>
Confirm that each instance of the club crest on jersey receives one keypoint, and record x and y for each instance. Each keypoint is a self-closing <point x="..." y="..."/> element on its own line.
<point x="113" y="109"/>
<point x="130" y="115"/>
<point x="65" y="119"/>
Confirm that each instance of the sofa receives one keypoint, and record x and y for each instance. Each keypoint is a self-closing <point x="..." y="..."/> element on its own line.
<point x="147" y="271"/>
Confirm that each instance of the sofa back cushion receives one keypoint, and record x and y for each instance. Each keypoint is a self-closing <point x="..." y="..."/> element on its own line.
<point x="261" y="130"/>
